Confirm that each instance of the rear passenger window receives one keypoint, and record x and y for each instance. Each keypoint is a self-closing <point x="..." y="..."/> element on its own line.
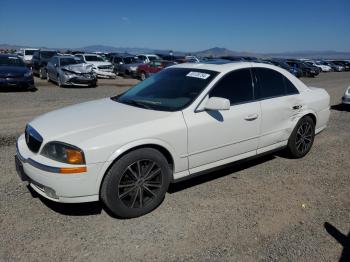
<point x="290" y="88"/>
<point x="271" y="83"/>
<point x="236" y="86"/>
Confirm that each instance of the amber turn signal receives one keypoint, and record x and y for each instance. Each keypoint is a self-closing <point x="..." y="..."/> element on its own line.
<point x="74" y="156"/>
<point x="73" y="170"/>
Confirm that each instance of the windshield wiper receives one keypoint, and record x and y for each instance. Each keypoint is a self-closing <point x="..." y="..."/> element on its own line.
<point x="135" y="103"/>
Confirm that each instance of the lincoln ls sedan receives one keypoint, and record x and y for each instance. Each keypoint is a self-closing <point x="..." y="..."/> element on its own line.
<point x="125" y="150"/>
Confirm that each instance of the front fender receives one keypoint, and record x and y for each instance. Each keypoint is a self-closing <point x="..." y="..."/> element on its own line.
<point x="137" y="143"/>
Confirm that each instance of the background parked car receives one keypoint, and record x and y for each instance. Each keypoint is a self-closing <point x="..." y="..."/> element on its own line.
<point x="335" y="68"/>
<point x="146" y="70"/>
<point x="26" y="54"/>
<point x="324" y="68"/>
<point x="66" y="70"/>
<point x="39" y="61"/>
<point x="281" y="63"/>
<point x="307" y="70"/>
<point x="146" y="58"/>
<point x="126" y="64"/>
<point x="345" y="64"/>
<point x="100" y="66"/>
<point x="14" y="72"/>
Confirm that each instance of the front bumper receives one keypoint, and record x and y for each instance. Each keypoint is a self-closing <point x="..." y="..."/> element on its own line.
<point x="65" y="188"/>
<point x="79" y="80"/>
<point x="105" y="74"/>
<point x="23" y="82"/>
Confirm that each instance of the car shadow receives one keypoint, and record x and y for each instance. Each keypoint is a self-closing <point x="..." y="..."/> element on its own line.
<point x="70" y="209"/>
<point x="341" y="239"/>
<point x="216" y="173"/>
<point x="341" y="107"/>
<point x="16" y="89"/>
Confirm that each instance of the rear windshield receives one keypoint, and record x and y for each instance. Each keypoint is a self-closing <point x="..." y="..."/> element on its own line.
<point x="11" y="61"/>
<point x="47" y="54"/>
<point x="170" y="90"/>
<point x="29" y="52"/>
<point x="130" y="60"/>
<point x="68" y="61"/>
<point x="94" y="58"/>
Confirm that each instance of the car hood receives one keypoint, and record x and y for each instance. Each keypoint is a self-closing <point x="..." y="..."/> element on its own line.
<point x="134" y="64"/>
<point x="78" y="68"/>
<point x="97" y="63"/>
<point x="8" y="71"/>
<point x="78" y="123"/>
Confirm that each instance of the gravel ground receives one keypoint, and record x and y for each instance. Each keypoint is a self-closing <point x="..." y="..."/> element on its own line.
<point x="268" y="209"/>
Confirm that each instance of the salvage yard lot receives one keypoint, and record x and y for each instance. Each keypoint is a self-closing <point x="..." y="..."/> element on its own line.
<point x="268" y="209"/>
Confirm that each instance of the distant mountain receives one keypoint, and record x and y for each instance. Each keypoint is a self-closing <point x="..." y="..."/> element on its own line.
<point x="212" y="52"/>
<point x="219" y="51"/>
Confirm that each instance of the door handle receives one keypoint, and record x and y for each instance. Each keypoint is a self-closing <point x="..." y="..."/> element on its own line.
<point x="251" y="117"/>
<point x="296" y="107"/>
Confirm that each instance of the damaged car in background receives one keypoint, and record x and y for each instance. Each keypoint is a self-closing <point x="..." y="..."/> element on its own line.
<point x="101" y="67"/>
<point x="68" y="71"/>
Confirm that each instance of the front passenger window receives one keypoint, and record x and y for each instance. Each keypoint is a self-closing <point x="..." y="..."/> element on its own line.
<point x="235" y="86"/>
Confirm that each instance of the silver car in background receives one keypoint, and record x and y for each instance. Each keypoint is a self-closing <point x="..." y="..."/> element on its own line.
<point x="346" y="97"/>
<point x="68" y="71"/>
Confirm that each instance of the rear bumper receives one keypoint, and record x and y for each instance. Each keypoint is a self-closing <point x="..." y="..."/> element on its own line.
<point x="346" y="100"/>
<point x="17" y="82"/>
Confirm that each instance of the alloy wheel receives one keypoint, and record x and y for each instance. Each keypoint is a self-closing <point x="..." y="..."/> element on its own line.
<point x="303" y="139"/>
<point x="140" y="183"/>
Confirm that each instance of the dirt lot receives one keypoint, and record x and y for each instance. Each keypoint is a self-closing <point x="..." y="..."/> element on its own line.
<point x="269" y="209"/>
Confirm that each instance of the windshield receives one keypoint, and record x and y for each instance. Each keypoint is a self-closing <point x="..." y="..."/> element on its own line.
<point x="10" y="61"/>
<point x="152" y="58"/>
<point x="92" y="58"/>
<point x="130" y="60"/>
<point x="47" y="54"/>
<point x="29" y="51"/>
<point x="170" y="90"/>
<point x="68" y="61"/>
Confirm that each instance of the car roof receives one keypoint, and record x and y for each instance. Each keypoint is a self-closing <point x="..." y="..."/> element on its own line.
<point x="9" y="55"/>
<point x="224" y="67"/>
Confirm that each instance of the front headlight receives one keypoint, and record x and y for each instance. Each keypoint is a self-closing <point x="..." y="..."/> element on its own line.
<point x="28" y="74"/>
<point x="133" y="68"/>
<point x="64" y="153"/>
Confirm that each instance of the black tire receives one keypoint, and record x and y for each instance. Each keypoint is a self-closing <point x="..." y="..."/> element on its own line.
<point x="143" y="76"/>
<point x="302" y="138"/>
<point x="59" y="82"/>
<point x="127" y="192"/>
<point x="42" y="73"/>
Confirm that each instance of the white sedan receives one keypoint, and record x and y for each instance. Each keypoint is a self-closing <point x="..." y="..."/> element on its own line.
<point x="189" y="118"/>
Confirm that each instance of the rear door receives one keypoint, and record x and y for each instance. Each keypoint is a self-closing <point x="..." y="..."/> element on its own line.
<point x="280" y="101"/>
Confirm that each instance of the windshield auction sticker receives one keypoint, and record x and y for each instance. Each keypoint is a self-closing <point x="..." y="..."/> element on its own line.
<point x="198" y="75"/>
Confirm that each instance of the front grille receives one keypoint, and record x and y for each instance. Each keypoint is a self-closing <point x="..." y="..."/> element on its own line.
<point x="105" y="67"/>
<point x="33" y="139"/>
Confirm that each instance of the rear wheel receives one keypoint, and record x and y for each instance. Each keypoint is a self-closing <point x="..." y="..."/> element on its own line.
<point x="302" y="138"/>
<point x="143" y="76"/>
<point x="136" y="184"/>
<point x="42" y="73"/>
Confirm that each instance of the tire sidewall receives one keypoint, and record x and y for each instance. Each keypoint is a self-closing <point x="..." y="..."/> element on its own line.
<point x="109" y="188"/>
<point x="291" y="142"/>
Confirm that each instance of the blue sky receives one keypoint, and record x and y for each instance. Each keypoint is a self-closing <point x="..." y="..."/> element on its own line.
<point x="257" y="26"/>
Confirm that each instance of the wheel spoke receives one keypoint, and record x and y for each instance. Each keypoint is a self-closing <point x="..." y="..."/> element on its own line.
<point x="134" y="198"/>
<point x="139" y="169"/>
<point x="141" y="196"/>
<point x="152" y="185"/>
<point x="132" y="172"/>
<point x="126" y="185"/>
<point x="148" y="190"/>
<point x="151" y="175"/>
<point x="149" y="169"/>
<point x="127" y="192"/>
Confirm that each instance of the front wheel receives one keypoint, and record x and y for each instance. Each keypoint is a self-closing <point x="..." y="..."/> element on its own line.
<point x="302" y="138"/>
<point x="136" y="183"/>
<point x="42" y="73"/>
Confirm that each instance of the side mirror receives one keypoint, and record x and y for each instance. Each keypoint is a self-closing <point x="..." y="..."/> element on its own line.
<point x="217" y="103"/>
